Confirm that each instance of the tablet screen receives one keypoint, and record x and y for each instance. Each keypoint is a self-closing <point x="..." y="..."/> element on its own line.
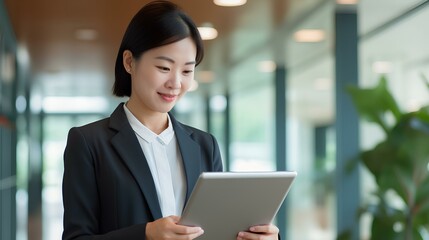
<point x="225" y="203"/>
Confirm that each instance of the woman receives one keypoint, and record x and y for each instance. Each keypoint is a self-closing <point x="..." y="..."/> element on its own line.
<point x="128" y="176"/>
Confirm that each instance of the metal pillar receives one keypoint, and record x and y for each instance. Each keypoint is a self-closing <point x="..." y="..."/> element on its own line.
<point x="347" y="123"/>
<point x="280" y="135"/>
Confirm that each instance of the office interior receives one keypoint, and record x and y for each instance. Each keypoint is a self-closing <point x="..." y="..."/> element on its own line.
<point x="270" y="89"/>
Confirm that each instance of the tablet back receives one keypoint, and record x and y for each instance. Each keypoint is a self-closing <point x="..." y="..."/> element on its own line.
<point x="225" y="203"/>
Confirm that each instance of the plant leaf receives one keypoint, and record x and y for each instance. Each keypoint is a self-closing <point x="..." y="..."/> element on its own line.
<point x="374" y="103"/>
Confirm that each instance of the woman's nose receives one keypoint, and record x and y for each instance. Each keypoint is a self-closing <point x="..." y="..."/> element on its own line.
<point x="174" y="81"/>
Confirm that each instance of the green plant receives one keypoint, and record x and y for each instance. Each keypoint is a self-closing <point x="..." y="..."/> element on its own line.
<point x="399" y="164"/>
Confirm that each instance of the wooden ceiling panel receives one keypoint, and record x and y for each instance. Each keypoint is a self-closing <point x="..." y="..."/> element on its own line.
<point x="47" y="28"/>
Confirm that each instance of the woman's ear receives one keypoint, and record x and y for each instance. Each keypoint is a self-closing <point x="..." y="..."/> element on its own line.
<point x="127" y="58"/>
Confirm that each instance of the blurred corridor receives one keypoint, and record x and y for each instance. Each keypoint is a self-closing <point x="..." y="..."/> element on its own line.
<point x="270" y="88"/>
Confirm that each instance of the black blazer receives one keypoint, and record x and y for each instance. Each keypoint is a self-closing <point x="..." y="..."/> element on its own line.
<point x="108" y="189"/>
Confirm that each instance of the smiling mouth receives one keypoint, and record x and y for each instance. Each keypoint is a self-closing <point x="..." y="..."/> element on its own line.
<point x="168" y="97"/>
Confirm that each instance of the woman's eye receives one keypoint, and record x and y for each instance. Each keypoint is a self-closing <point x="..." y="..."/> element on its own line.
<point x="163" y="69"/>
<point x="186" y="72"/>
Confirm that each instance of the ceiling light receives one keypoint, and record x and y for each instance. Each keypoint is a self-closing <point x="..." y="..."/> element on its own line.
<point x="382" y="67"/>
<point x="229" y="3"/>
<point x="267" y="66"/>
<point x="207" y="31"/>
<point x="309" y="35"/>
<point x="86" y="34"/>
<point x="347" y="2"/>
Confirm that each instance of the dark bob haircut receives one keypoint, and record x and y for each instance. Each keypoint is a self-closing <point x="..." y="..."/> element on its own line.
<point x="158" y="23"/>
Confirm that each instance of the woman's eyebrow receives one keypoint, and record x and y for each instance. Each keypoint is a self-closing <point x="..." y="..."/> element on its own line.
<point x="172" y="61"/>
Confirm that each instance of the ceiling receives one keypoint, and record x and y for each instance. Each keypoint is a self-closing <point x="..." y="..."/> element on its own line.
<point x="68" y="66"/>
<point x="63" y="65"/>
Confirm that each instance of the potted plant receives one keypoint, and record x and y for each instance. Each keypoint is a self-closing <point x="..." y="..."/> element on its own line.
<point x="399" y="165"/>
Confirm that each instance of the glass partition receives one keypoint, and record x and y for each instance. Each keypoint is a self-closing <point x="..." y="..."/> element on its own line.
<point x="252" y="116"/>
<point x="396" y="48"/>
<point x="310" y="132"/>
<point x="55" y="130"/>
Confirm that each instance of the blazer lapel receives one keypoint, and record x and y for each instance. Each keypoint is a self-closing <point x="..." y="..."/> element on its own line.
<point x="126" y="144"/>
<point x="191" y="155"/>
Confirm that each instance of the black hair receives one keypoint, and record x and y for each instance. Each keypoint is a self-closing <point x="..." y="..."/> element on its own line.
<point x="157" y="23"/>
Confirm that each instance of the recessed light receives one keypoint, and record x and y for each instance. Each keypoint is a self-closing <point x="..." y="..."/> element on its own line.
<point x="229" y="3"/>
<point x="86" y="34"/>
<point x="309" y="35"/>
<point x="382" y="67"/>
<point x="267" y="66"/>
<point x="347" y="2"/>
<point x="207" y="31"/>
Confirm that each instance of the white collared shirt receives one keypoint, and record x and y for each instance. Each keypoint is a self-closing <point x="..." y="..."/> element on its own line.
<point x="165" y="162"/>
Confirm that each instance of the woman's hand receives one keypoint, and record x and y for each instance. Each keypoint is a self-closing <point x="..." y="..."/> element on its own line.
<point x="167" y="228"/>
<point x="260" y="232"/>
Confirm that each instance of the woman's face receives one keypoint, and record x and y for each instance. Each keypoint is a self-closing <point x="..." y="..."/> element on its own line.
<point x="161" y="76"/>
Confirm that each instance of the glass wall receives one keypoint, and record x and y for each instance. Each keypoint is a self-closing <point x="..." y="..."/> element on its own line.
<point x="393" y="44"/>
<point x="252" y="116"/>
<point x="8" y="132"/>
<point x="311" y="135"/>
<point x="309" y="105"/>
<point x="55" y="130"/>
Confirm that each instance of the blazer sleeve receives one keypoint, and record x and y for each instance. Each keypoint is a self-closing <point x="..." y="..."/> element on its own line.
<point x="217" y="158"/>
<point x="80" y="195"/>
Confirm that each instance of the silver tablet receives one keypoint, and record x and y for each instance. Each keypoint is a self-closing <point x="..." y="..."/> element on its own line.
<point x="225" y="203"/>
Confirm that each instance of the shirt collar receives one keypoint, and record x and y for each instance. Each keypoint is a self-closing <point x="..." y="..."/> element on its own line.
<point x="145" y="133"/>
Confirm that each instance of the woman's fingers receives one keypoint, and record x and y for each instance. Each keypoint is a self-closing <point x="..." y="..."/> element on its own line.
<point x="270" y="228"/>
<point x="260" y="232"/>
<point x="167" y="228"/>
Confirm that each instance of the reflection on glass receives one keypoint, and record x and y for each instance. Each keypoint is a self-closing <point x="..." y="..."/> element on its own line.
<point x="252" y="146"/>
<point x="56" y="128"/>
